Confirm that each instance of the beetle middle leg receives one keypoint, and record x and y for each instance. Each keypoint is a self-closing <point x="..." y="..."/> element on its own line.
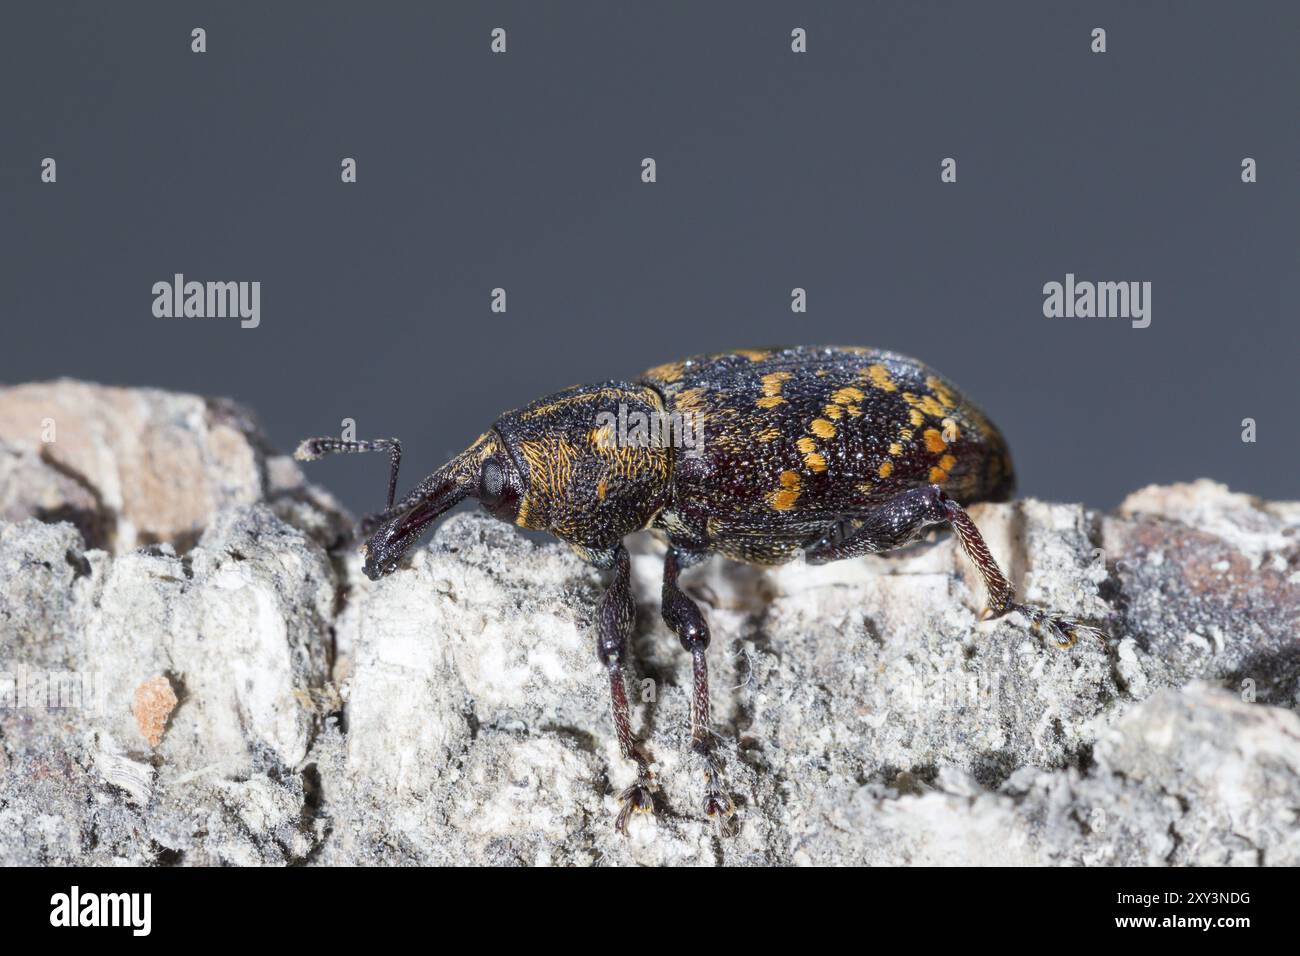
<point x="900" y="519"/>
<point x="687" y="621"/>
<point x="616" y="619"/>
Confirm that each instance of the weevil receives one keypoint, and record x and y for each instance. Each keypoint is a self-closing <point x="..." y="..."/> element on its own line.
<point x="823" y="453"/>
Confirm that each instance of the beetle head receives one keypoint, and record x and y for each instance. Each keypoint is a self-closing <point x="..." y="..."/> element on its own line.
<point x="483" y="471"/>
<point x="556" y="465"/>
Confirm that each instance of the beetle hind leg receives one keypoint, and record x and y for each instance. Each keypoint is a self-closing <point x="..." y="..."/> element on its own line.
<point x="898" y="520"/>
<point x="1063" y="631"/>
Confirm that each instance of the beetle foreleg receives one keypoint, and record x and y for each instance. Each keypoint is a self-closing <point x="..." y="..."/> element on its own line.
<point x="687" y="621"/>
<point x="616" y="617"/>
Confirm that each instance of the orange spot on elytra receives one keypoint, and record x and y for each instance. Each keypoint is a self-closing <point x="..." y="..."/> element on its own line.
<point x="947" y="462"/>
<point x="925" y="404"/>
<point x="815" y="462"/>
<point x="934" y="441"/>
<point x="938" y="476"/>
<point x="784" y="499"/>
<point x="773" y="381"/>
<point x="822" y="428"/>
<point x="790" y="479"/>
<point x="886" y="469"/>
<point x="806" y="445"/>
<point x="880" y="378"/>
<point x="941" y="391"/>
<point x="770" y="401"/>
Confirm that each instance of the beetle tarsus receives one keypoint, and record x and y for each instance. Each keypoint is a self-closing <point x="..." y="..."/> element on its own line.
<point x="717" y="804"/>
<point x="638" y="798"/>
<point x="1064" y="632"/>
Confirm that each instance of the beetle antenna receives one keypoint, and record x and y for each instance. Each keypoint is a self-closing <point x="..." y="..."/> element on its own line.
<point x="313" y="448"/>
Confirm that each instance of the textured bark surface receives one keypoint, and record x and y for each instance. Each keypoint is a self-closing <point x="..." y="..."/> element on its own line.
<point x="195" y="671"/>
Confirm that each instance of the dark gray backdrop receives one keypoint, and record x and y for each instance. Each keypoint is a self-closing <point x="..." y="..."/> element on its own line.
<point x="775" y="170"/>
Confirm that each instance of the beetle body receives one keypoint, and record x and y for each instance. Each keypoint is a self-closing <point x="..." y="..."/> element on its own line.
<point x="797" y="439"/>
<point x="824" y="452"/>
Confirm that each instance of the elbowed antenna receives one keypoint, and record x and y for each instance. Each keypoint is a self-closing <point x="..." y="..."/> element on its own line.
<point x="312" y="449"/>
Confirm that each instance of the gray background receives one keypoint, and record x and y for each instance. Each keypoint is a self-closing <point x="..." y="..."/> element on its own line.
<point x="775" y="170"/>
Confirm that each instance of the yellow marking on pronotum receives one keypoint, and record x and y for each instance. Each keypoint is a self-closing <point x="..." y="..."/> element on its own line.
<point x="822" y="428"/>
<point x="879" y="376"/>
<point x="770" y="401"/>
<point x="603" y="394"/>
<point x="934" y="441"/>
<point x="692" y="399"/>
<point x="916" y="418"/>
<point x="815" y="462"/>
<point x="854" y="410"/>
<point x="833" y="411"/>
<point x="848" y="394"/>
<point x="806" y="445"/>
<point x="895" y="448"/>
<point x="602" y="487"/>
<point x="769" y="434"/>
<point x="886" y="469"/>
<point x="905" y="434"/>
<point x="754" y="355"/>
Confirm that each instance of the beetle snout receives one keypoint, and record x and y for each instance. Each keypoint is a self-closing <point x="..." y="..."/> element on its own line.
<point x="392" y="539"/>
<point x="396" y="536"/>
<point x="378" y="562"/>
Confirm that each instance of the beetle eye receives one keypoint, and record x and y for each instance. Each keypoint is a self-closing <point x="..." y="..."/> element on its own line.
<point x="491" y="481"/>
